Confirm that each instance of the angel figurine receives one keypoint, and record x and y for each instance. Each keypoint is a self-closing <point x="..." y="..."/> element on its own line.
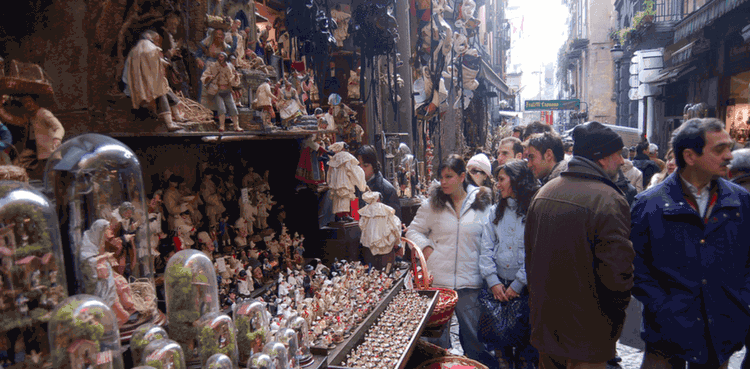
<point x="381" y="228"/>
<point x="344" y="174"/>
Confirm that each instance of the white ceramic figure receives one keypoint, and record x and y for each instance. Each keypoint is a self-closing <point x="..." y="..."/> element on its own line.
<point x="344" y="175"/>
<point x="381" y="228"/>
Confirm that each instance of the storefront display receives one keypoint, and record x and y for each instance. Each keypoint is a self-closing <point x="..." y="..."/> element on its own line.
<point x="164" y="353"/>
<point x="83" y="332"/>
<point x="32" y="271"/>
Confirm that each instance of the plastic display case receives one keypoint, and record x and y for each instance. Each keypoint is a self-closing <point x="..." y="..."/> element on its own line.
<point x="32" y="270"/>
<point x="191" y="292"/>
<point x="98" y="187"/>
<point x="162" y="354"/>
<point x="83" y="333"/>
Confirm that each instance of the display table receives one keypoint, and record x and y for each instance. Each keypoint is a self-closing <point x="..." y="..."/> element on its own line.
<point x="337" y="356"/>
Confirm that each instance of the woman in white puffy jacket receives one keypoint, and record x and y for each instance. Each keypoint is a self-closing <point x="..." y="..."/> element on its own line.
<point x="448" y="229"/>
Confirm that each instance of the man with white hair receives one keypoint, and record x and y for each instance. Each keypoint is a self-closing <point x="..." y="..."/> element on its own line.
<point x="739" y="168"/>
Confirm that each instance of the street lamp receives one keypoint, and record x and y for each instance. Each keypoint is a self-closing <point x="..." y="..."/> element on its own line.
<point x="617" y="53"/>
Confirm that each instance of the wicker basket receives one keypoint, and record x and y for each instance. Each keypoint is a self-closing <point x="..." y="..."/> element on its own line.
<point x="450" y="361"/>
<point x="447" y="298"/>
<point x="13" y="173"/>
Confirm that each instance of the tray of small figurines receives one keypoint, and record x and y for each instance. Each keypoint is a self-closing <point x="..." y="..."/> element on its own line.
<point x="389" y="341"/>
<point x="350" y="302"/>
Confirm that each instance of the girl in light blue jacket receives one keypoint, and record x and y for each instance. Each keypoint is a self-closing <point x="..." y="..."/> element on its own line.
<point x="502" y="254"/>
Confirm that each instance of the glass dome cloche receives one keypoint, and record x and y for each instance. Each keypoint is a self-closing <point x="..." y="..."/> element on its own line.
<point x="253" y="327"/>
<point x="32" y="271"/>
<point x="144" y="335"/>
<point x="97" y="183"/>
<point x="163" y="353"/>
<point x="83" y="333"/>
<point x="217" y="335"/>
<point x="219" y="361"/>
<point x="191" y="292"/>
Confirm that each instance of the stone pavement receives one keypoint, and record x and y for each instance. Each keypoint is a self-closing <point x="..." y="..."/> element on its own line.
<point x="631" y="357"/>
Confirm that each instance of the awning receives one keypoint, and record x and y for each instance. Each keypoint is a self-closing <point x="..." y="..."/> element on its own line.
<point x="670" y="73"/>
<point x="488" y="74"/>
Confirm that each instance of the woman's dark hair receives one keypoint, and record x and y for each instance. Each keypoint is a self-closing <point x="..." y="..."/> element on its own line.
<point x="455" y="163"/>
<point x="369" y="156"/>
<point x="524" y="187"/>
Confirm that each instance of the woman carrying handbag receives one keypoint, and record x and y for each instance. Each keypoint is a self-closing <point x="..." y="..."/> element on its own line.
<point x="504" y="322"/>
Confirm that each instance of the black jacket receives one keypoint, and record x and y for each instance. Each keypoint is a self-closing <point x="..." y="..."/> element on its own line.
<point x="389" y="195"/>
<point x="647" y="166"/>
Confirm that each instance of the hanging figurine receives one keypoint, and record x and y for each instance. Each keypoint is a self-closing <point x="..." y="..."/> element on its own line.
<point x="353" y="85"/>
<point x="342" y="24"/>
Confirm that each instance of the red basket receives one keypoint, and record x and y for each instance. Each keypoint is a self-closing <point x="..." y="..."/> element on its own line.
<point x="447" y="298"/>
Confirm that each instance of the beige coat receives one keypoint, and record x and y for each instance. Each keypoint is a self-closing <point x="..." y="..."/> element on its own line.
<point x="145" y="73"/>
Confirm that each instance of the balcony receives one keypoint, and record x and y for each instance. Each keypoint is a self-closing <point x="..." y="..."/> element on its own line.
<point x="703" y="16"/>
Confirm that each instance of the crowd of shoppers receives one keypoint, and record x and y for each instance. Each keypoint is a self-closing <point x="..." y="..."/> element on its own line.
<point x="570" y="239"/>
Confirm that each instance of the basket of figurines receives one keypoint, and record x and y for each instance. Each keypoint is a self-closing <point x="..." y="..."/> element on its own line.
<point x="448" y="362"/>
<point x="447" y="298"/>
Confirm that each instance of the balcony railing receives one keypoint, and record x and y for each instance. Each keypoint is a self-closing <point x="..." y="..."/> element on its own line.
<point x="670" y="10"/>
<point x="704" y="15"/>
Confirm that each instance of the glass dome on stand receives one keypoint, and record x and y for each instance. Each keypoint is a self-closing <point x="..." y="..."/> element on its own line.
<point x="82" y="333"/>
<point x="252" y="327"/>
<point x="98" y="188"/>
<point x="32" y="270"/>
<point x="260" y="361"/>
<point x="142" y="336"/>
<point x="163" y="353"/>
<point x="219" y="361"/>
<point x="192" y="293"/>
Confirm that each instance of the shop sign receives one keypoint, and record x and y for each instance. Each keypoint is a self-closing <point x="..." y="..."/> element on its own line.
<point x="573" y="104"/>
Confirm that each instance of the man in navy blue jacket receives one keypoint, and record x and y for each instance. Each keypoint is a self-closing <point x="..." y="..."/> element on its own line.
<point x="692" y="265"/>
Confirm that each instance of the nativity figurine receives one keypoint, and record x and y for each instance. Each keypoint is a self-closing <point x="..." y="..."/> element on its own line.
<point x="146" y="82"/>
<point x="264" y="101"/>
<point x="344" y="176"/>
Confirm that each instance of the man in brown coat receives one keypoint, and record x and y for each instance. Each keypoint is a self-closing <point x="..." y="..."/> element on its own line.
<point x="579" y="260"/>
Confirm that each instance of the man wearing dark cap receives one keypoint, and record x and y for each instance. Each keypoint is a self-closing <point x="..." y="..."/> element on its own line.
<point x="579" y="261"/>
<point x="692" y="265"/>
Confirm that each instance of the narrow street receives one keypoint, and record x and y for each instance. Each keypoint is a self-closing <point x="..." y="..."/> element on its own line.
<point x="631" y="357"/>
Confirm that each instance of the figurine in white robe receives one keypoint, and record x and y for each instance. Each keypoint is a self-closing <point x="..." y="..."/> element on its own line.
<point x="381" y="228"/>
<point x="344" y="174"/>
